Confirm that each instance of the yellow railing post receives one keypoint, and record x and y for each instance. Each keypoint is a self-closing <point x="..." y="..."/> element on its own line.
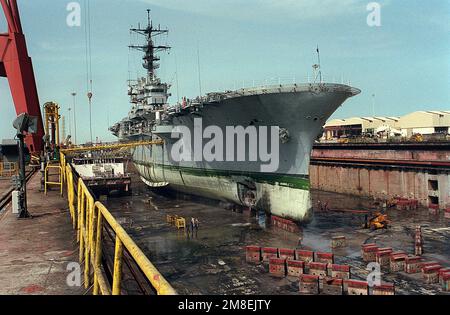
<point x="87" y="237"/>
<point x="117" y="276"/>
<point x="81" y="222"/>
<point x="79" y="209"/>
<point x="92" y="226"/>
<point x="98" y="251"/>
<point x="71" y="195"/>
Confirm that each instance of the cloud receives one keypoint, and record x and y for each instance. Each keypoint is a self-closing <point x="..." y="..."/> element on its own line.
<point x="266" y="9"/>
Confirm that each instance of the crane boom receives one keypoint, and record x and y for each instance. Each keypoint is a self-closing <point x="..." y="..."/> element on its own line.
<point x="16" y="65"/>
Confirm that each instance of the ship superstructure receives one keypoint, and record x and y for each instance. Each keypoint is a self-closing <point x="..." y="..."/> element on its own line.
<point x="298" y="111"/>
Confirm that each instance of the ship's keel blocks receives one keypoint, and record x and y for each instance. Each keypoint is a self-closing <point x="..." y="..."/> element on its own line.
<point x="442" y="272"/>
<point x="356" y="287"/>
<point x="446" y="282"/>
<point x="412" y="264"/>
<point x="318" y="269"/>
<point x="433" y="209"/>
<point x="284" y="224"/>
<point x="383" y="256"/>
<point x="340" y="272"/>
<point x="431" y="273"/>
<point x="277" y="267"/>
<point x="305" y="255"/>
<point x="397" y="262"/>
<point x="253" y="254"/>
<point x="268" y="253"/>
<point x="309" y="284"/>
<point x="384" y="289"/>
<point x="327" y="258"/>
<point x="332" y="286"/>
<point x="287" y="253"/>
<point x="369" y="252"/>
<point x="295" y="268"/>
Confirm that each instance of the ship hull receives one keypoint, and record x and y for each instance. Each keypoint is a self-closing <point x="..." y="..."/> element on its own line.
<point x="285" y="191"/>
<point x="285" y="196"/>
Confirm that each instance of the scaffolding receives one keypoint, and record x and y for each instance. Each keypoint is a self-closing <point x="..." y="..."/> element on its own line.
<point x="52" y="117"/>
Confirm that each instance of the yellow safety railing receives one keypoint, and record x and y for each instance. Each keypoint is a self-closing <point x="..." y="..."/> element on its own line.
<point x="88" y="219"/>
<point x="8" y="169"/>
<point x="47" y="182"/>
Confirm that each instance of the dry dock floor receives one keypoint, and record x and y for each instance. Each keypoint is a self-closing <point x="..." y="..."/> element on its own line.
<point x="213" y="260"/>
<point x="34" y="253"/>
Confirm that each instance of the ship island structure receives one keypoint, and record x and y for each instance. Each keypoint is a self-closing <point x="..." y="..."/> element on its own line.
<point x="299" y="111"/>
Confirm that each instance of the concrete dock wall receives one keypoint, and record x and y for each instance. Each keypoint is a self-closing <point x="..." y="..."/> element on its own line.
<point x="362" y="174"/>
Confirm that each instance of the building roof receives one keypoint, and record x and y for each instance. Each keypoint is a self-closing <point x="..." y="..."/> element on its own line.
<point x="426" y="119"/>
<point x="419" y="119"/>
<point x="362" y="120"/>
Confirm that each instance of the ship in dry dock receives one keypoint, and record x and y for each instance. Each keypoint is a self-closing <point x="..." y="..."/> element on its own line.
<point x="298" y="111"/>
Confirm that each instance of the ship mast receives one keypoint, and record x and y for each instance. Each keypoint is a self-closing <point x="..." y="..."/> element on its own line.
<point x="150" y="50"/>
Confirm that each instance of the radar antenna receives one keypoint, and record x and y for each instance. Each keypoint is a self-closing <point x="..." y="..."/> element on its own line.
<point x="150" y="49"/>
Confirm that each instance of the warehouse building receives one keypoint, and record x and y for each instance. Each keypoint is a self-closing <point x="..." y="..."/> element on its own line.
<point x="426" y="123"/>
<point x="421" y="122"/>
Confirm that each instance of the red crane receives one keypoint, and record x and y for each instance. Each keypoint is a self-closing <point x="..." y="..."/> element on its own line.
<point x="16" y="65"/>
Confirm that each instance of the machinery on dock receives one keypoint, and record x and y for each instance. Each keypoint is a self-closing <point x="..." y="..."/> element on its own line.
<point x="103" y="172"/>
<point x="51" y="139"/>
<point x="293" y="114"/>
<point x="104" y="167"/>
<point x="378" y="221"/>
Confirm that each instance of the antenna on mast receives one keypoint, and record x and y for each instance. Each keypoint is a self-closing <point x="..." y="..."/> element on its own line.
<point x="199" y="72"/>
<point x="149" y="48"/>
<point x="316" y="67"/>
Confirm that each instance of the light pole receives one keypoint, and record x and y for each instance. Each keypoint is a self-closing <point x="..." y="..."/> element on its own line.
<point x="74" y="118"/>
<point x="70" y="121"/>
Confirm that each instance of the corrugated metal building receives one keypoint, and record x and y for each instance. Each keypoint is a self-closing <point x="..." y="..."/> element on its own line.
<point x="423" y="122"/>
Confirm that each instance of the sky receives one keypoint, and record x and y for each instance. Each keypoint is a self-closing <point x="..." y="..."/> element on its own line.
<point x="404" y="62"/>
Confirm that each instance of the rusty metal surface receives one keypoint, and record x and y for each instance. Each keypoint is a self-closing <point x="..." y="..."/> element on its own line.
<point x="444" y="165"/>
<point x="34" y="253"/>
